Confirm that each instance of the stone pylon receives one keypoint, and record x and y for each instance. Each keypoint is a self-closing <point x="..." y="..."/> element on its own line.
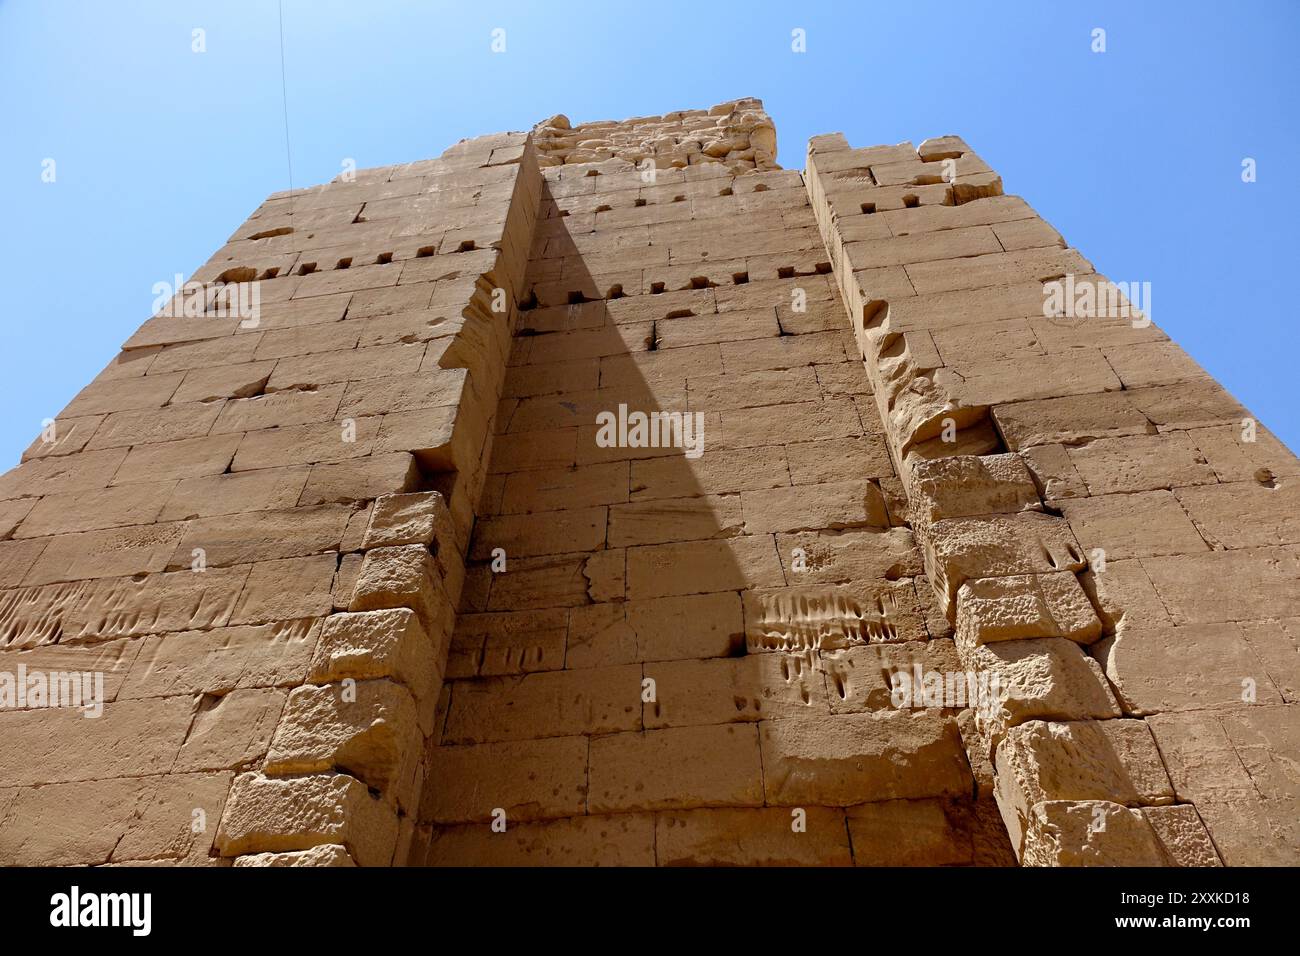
<point x="610" y="495"/>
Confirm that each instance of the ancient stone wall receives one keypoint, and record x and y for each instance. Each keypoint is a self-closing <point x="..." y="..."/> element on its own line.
<point x="738" y="135"/>
<point x="1103" y="525"/>
<point x="254" y="526"/>
<point x="685" y="660"/>
<point x="393" y="572"/>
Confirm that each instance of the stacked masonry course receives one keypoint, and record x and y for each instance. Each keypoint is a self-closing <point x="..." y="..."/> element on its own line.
<point x="281" y="544"/>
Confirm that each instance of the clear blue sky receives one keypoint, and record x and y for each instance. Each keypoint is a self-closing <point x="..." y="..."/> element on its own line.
<point x="1133" y="154"/>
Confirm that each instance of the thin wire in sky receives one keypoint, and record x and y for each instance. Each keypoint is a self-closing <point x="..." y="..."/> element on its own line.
<point x="284" y="95"/>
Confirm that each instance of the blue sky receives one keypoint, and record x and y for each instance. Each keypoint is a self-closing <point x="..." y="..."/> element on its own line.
<point x="1133" y="154"/>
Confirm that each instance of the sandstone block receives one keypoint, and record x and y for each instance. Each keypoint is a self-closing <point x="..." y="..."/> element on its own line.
<point x="1147" y="664"/>
<point x="751" y="837"/>
<point x="1025" y="606"/>
<point x="415" y="518"/>
<point x="1141" y="463"/>
<point x="962" y="548"/>
<point x="327" y="854"/>
<point x="528" y="779"/>
<point x="723" y="690"/>
<point x="368" y="729"/>
<point x="1182" y="836"/>
<point x="546" y="704"/>
<point x="264" y="814"/>
<point x="859" y="758"/>
<point x="1090" y="833"/>
<point x="622" y="839"/>
<point x="849" y="504"/>
<point x="232" y="731"/>
<point x="1108" y="760"/>
<point x="221" y="659"/>
<point x="360" y="479"/>
<point x="370" y="645"/>
<point x="402" y="576"/>
<point x="287" y="590"/>
<point x="966" y="486"/>
<point x="676" y="768"/>
<point x="1049" y="679"/>
<point x="910" y="833"/>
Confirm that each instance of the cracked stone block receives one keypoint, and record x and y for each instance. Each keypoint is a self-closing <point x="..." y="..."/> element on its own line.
<point x="166" y="830"/>
<point x="1090" y="833"/>
<point x="1054" y="473"/>
<point x="1044" y="679"/>
<point x="418" y="518"/>
<point x="958" y="549"/>
<point x="368" y="645"/>
<point x="368" y="729"/>
<point x="1122" y="593"/>
<point x="1112" y="760"/>
<point x="966" y="486"/>
<point x="231" y="731"/>
<point x="403" y="576"/>
<point x="264" y="814"/>
<point x="49" y="825"/>
<point x="1025" y="606"/>
<point x="1182" y="835"/>
<point x="327" y="854"/>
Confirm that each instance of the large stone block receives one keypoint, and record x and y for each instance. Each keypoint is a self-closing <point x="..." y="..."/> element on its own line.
<point x="389" y="643"/>
<point x="1022" y="606"/>
<point x="368" y="729"/>
<point x="752" y="837"/>
<point x="958" y="549"/>
<point x="264" y="814"/>
<point x="963" y="486"/>
<point x="404" y="576"/>
<point x="676" y="768"/>
<point x="858" y="758"/>
<point x="1090" y="833"/>
<point x="1047" y="679"/>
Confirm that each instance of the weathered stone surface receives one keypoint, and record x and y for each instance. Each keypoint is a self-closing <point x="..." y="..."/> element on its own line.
<point x="528" y="780"/>
<point x="910" y="833"/>
<point x="1182" y="835"/>
<point x="231" y="731"/>
<point x="402" y="576"/>
<point x="621" y="839"/>
<point x="327" y="854"/>
<point x="1022" y="606"/>
<point x="964" y="486"/>
<point x="854" y="758"/>
<point x="1049" y="679"/>
<point x="752" y="837"/>
<point x="1090" y="833"/>
<point x="380" y="644"/>
<point x="368" y="729"/>
<point x="268" y="815"/>
<point x="689" y="655"/>
<point x="221" y="659"/>
<point x="958" y="549"/>
<point x="678" y="767"/>
<point x="598" y="700"/>
<point x="1142" y="663"/>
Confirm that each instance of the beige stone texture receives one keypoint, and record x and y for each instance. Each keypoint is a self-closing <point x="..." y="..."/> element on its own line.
<point x="299" y="813"/>
<point x="369" y="584"/>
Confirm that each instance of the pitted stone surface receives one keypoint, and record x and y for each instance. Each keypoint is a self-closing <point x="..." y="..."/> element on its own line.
<point x="606" y="494"/>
